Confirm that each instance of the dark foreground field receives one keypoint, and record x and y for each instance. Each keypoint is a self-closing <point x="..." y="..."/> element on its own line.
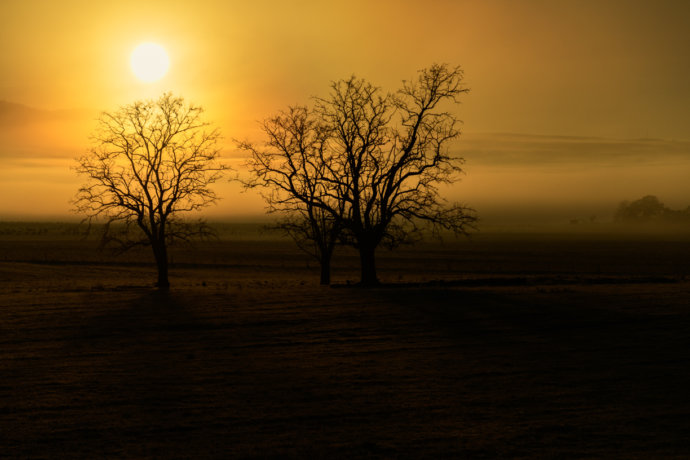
<point x="532" y="346"/>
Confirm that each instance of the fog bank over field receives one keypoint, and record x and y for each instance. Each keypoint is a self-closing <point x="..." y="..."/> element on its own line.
<point x="517" y="178"/>
<point x="511" y="179"/>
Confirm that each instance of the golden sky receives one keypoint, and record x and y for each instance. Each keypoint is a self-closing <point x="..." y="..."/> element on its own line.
<point x="576" y="83"/>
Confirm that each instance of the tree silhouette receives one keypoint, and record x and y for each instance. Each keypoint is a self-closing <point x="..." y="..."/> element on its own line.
<point x="372" y="162"/>
<point x="649" y="209"/>
<point x="393" y="154"/>
<point x="645" y="209"/>
<point x="315" y="232"/>
<point x="151" y="162"/>
<point x="294" y="167"/>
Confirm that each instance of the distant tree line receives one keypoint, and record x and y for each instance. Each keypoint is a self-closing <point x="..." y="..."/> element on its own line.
<point x="649" y="209"/>
<point x="361" y="167"/>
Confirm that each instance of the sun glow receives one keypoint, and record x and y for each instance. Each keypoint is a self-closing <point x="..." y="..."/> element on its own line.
<point x="149" y="62"/>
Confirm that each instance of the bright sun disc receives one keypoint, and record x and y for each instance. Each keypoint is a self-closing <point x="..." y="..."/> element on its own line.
<point x="149" y="62"/>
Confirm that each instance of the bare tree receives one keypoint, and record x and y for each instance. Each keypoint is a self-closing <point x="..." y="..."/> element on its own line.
<point x="370" y="161"/>
<point x="392" y="154"/>
<point x="294" y="168"/>
<point x="315" y="232"/>
<point x="151" y="161"/>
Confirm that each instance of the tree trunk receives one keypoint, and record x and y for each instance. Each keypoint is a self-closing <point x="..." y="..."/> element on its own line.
<point x="160" y="251"/>
<point x="367" y="258"/>
<point x="325" y="270"/>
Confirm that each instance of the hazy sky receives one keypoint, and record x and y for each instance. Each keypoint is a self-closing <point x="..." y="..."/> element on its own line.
<point x="581" y="86"/>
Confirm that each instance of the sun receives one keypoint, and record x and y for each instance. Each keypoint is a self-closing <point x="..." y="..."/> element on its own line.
<point x="149" y="62"/>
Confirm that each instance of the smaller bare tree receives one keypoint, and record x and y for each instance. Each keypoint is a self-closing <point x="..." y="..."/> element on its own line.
<point x="151" y="162"/>
<point x="295" y="170"/>
<point x="315" y="232"/>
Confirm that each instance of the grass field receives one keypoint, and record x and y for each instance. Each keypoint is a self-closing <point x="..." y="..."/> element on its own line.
<point x="505" y="345"/>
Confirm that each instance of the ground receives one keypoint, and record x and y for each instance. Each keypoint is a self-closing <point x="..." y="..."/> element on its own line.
<point x="502" y="346"/>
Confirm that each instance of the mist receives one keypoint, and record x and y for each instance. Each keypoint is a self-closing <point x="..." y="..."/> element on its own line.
<point x="510" y="179"/>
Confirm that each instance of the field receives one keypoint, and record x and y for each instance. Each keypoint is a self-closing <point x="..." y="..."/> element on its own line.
<point x="504" y="345"/>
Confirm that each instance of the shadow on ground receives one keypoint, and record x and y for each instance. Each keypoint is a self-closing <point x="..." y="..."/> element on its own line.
<point x="392" y="372"/>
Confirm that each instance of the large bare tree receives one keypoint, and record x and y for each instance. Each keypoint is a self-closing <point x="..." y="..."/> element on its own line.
<point x="380" y="160"/>
<point x="151" y="162"/>
<point x="393" y="150"/>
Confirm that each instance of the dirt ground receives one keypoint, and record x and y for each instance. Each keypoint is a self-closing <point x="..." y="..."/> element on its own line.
<point x="502" y="346"/>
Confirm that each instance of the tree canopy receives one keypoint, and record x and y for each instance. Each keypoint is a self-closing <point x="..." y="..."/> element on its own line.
<point x="151" y="162"/>
<point x="371" y="161"/>
<point x="649" y="209"/>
